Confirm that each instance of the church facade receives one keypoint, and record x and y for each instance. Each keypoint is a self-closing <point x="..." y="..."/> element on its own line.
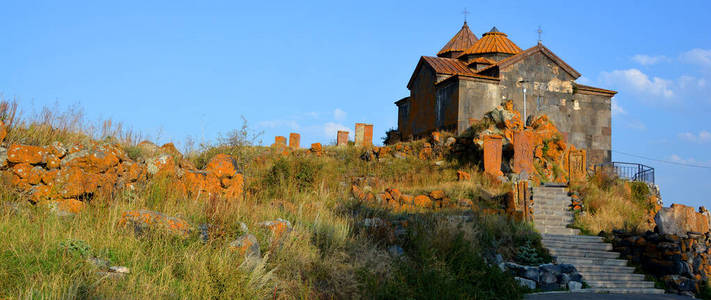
<point x="471" y="76"/>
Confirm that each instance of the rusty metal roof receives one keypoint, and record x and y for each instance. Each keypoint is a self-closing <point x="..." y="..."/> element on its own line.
<point x="449" y="66"/>
<point x="460" y="42"/>
<point x="493" y="42"/>
<point x="482" y="60"/>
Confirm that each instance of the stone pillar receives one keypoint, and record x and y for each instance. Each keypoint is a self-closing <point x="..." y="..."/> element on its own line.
<point x="279" y="141"/>
<point x="492" y="155"/>
<point x="342" y="138"/>
<point x="294" y="140"/>
<point x="364" y="134"/>
<point x="523" y="154"/>
<point x="577" y="166"/>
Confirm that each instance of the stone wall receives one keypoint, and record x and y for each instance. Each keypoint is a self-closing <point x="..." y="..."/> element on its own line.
<point x="681" y="262"/>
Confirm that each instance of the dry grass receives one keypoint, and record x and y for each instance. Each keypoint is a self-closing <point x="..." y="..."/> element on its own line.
<point x="610" y="203"/>
<point x="327" y="255"/>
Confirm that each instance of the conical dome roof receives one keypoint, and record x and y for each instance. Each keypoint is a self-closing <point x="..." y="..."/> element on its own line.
<point x="460" y="42"/>
<point x="493" y="41"/>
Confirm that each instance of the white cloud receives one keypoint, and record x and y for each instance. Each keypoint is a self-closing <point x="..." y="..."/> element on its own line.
<point x="584" y="80"/>
<point x="639" y="83"/>
<point x="293" y="125"/>
<point x="331" y="129"/>
<point x="703" y="136"/>
<point x="617" y="109"/>
<point x="636" y="124"/>
<point x="339" y="115"/>
<point x="647" y="60"/>
<point x="701" y="57"/>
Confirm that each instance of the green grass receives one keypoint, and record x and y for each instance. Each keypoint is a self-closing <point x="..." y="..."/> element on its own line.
<point x="329" y="253"/>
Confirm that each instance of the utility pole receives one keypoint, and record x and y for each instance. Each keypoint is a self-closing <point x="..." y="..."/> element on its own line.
<point x="525" y="116"/>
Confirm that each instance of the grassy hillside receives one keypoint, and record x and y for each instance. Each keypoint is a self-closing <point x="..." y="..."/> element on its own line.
<point x="333" y="251"/>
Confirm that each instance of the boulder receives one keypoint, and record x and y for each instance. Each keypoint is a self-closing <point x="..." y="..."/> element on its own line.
<point x="247" y="245"/>
<point x="146" y="220"/>
<point x="463" y="176"/>
<point x="18" y="154"/>
<point x="278" y="228"/>
<point x="527" y="283"/>
<point x="222" y="166"/>
<point x="574" y="286"/>
<point x="423" y="201"/>
<point x="680" y="219"/>
<point x="162" y="165"/>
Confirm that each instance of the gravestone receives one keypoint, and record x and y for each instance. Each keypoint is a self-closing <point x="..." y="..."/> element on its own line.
<point x="577" y="165"/>
<point x="523" y="154"/>
<point x="364" y="135"/>
<point x="294" y="140"/>
<point x="492" y="155"/>
<point x="342" y="138"/>
<point x="279" y="141"/>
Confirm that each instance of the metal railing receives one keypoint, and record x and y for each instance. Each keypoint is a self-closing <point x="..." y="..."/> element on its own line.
<point x="630" y="171"/>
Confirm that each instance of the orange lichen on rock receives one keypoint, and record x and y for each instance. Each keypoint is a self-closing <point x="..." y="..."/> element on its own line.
<point x="463" y="176"/>
<point x="222" y="166"/>
<point x="143" y="220"/>
<point x="316" y="149"/>
<point x="25" y="154"/>
<point x="3" y="131"/>
<point x="278" y="228"/>
<point x="423" y="201"/>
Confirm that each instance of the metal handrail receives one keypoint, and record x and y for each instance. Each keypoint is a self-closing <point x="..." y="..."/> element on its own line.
<point x="630" y="171"/>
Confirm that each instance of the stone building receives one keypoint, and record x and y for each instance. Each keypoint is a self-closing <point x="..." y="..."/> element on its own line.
<point x="471" y="76"/>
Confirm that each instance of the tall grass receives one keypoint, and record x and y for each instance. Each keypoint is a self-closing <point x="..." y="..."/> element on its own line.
<point x="328" y="254"/>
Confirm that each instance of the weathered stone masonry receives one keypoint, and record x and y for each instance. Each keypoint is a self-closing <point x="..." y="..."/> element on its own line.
<point x="472" y="76"/>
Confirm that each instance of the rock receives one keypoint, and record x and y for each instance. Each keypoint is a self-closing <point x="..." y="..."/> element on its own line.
<point x="527" y="283"/>
<point x="278" y="227"/>
<point x="552" y="268"/>
<point x="563" y="279"/>
<point x="423" y="201"/>
<point x="3" y="158"/>
<point x="169" y="148"/>
<point x="316" y="149"/>
<point x="680" y="219"/>
<point x="162" y="165"/>
<point x="463" y="176"/>
<point x="148" y="149"/>
<point x="145" y="220"/>
<point x="66" y="207"/>
<point x="18" y="154"/>
<point x="247" y="245"/>
<point x="437" y="195"/>
<point x="3" y="131"/>
<point x="222" y="166"/>
<point x="119" y="269"/>
<point x="373" y="222"/>
<point x="574" y="286"/>
<point x="450" y="141"/>
<point x="531" y="273"/>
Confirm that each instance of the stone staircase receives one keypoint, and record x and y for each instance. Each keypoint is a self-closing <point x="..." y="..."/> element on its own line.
<point x="602" y="269"/>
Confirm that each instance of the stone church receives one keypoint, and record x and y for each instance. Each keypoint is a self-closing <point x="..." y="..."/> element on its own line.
<point x="471" y="76"/>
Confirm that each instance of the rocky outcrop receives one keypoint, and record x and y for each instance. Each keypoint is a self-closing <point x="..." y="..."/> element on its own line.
<point x="142" y="221"/>
<point x="66" y="178"/>
<point x="547" y="277"/>
<point x="680" y="219"/>
<point x="681" y="262"/>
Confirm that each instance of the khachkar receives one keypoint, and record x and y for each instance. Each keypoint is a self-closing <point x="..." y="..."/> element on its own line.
<point x="363" y="134"/>
<point x="294" y="140"/>
<point x="577" y="165"/>
<point x="523" y="153"/>
<point x="342" y="138"/>
<point x="492" y="155"/>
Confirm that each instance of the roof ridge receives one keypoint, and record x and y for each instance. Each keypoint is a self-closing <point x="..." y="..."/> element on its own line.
<point x="461" y="41"/>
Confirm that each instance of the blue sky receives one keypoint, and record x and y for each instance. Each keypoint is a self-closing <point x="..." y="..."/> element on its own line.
<point x="173" y="69"/>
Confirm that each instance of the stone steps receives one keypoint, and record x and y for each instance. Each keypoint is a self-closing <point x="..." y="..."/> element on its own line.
<point x="583" y="253"/>
<point x="605" y="276"/>
<point x="591" y="260"/>
<point x="590" y="268"/>
<point x="577" y="238"/>
<point x="601" y="268"/>
<point x="620" y="284"/>
<point x="580" y="246"/>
